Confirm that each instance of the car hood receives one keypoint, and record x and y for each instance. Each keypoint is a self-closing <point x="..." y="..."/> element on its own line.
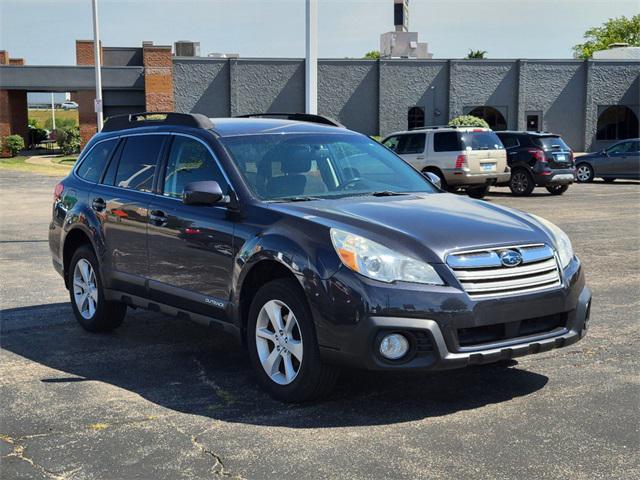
<point x="424" y="226"/>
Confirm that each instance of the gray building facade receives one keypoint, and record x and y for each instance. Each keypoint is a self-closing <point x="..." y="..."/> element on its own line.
<point x="587" y="102"/>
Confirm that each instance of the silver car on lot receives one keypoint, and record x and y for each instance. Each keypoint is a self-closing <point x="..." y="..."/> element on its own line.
<point x="620" y="160"/>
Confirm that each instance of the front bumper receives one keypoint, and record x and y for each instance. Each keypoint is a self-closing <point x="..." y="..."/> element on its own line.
<point x="463" y="177"/>
<point x="431" y="327"/>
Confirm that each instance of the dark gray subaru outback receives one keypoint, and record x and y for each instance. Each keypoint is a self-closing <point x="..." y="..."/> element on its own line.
<point x="314" y="245"/>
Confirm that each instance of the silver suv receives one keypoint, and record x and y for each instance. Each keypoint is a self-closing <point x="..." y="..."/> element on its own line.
<point x="470" y="158"/>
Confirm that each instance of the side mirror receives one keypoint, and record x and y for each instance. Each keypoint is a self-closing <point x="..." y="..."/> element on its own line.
<point x="433" y="178"/>
<point x="202" y="193"/>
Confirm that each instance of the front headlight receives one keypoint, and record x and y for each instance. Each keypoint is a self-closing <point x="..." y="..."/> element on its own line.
<point x="376" y="261"/>
<point x="563" y="244"/>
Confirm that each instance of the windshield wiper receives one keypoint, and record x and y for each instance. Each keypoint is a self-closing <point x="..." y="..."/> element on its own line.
<point x="386" y="193"/>
<point x="299" y="198"/>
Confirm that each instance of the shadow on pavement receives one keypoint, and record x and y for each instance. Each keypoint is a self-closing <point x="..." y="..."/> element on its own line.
<point x="178" y="365"/>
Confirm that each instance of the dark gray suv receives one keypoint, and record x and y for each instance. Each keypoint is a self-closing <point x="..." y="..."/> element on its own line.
<point x="315" y="246"/>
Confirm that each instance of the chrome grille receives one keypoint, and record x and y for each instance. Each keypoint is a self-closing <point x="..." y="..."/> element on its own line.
<point x="482" y="274"/>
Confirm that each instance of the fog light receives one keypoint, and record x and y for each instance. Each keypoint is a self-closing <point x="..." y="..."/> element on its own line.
<point x="394" y="346"/>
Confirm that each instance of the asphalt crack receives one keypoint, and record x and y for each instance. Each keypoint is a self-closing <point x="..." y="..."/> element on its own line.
<point x="18" y="452"/>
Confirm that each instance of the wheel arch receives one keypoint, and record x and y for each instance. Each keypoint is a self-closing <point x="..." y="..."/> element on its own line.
<point x="73" y="240"/>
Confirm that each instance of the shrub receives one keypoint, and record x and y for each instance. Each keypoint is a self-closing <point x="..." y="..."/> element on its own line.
<point x="68" y="140"/>
<point x="37" y="135"/>
<point x="65" y="123"/>
<point x="468" y="121"/>
<point x="14" y="143"/>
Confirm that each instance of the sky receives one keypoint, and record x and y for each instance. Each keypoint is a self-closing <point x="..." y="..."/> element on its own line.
<point x="44" y="31"/>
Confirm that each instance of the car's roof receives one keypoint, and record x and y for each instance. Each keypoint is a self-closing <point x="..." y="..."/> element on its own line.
<point x="533" y="134"/>
<point x="228" y="127"/>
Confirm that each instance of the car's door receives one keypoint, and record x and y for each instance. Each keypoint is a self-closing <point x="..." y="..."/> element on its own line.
<point x="190" y="247"/>
<point x="121" y="201"/>
<point x="511" y="145"/>
<point x="625" y="159"/>
<point x="608" y="163"/>
<point x="633" y="160"/>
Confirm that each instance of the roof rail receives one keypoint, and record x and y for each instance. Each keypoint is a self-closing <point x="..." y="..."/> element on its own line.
<point x="152" y="119"/>
<point x="299" y="117"/>
<point x="436" y="127"/>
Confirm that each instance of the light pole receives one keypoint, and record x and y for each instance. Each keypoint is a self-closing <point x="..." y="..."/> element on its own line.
<point x="97" y="63"/>
<point x="311" y="63"/>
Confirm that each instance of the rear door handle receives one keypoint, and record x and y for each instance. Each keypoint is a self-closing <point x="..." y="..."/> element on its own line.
<point x="98" y="204"/>
<point x="158" y="218"/>
<point x="421" y="157"/>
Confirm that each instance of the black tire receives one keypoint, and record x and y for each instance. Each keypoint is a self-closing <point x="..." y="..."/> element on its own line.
<point x="107" y="315"/>
<point x="313" y="379"/>
<point x="557" y="189"/>
<point x="521" y="183"/>
<point x="478" y="192"/>
<point x="584" y="173"/>
<point x="608" y="179"/>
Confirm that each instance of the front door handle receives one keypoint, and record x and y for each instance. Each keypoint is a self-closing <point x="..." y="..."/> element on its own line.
<point x="98" y="204"/>
<point x="421" y="157"/>
<point x="158" y="218"/>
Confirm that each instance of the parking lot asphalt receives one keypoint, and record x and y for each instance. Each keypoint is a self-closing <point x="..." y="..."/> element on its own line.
<point x="161" y="398"/>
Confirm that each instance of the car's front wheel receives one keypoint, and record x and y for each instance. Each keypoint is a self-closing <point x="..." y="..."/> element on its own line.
<point x="283" y="347"/>
<point x="557" y="189"/>
<point x="93" y="312"/>
<point x="584" y="173"/>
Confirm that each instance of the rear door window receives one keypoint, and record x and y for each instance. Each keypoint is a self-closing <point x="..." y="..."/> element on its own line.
<point x="94" y="163"/>
<point x="551" y="143"/>
<point x="138" y="162"/>
<point x="446" y="142"/>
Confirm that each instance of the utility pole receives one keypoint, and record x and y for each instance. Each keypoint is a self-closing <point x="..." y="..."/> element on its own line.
<point x="311" y="63"/>
<point x="97" y="63"/>
<point x="53" y="113"/>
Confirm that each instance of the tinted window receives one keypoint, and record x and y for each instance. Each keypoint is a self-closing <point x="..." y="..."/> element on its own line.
<point x="624" y="147"/>
<point x="413" y="143"/>
<point x="550" y="143"/>
<point x="189" y="161"/>
<point x="279" y="167"/>
<point x="138" y="160"/>
<point x="446" y="142"/>
<point x="509" y="141"/>
<point x="392" y="143"/>
<point x="481" y="141"/>
<point x="93" y="164"/>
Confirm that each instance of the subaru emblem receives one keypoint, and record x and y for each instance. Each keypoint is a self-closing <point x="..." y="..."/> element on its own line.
<point x="510" y="258"/>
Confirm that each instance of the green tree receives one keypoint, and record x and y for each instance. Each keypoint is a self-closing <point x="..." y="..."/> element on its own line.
<point x="614" y="30"/>
<point x="481" y="54"/>
<point x="14" y="143"/>
<point x="468" y="121"/>
<point x="372" y="55"/>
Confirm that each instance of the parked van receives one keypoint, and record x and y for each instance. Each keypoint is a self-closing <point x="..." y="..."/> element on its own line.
<point x="470" y="158"/>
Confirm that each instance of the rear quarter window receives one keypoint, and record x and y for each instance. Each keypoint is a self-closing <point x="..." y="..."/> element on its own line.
<point x="94" y="162"/>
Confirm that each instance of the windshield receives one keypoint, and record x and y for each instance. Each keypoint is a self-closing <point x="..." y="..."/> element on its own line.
<point x="310" y="166"/>
<point x="551" y="143"/>
<point x="480" y="141"/>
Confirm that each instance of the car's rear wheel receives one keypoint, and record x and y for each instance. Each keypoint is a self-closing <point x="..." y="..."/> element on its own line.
<point x="521" y="183"/>
<point x="557" y="189"/>
<point x="283" y="347"/>
<point x="584" y="173"/>
<point x="93" y="312"/>
<point x="479" y="191"/>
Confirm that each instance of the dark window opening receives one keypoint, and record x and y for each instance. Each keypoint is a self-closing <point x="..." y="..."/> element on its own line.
<point x="492" y="116"/>
<point x="415" y="118"/>
<point x="93" y="164"/>
<point x="138" y="160"/>
<point x="617" y="123"/>
<point x="533" y="123"/>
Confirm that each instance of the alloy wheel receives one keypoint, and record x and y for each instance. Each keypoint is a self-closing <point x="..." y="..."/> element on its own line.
<point x="583" y="173"/>
<point x="85" y="289"/>
<point x="279" y="342"/>
<point x="519" y="182"/>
